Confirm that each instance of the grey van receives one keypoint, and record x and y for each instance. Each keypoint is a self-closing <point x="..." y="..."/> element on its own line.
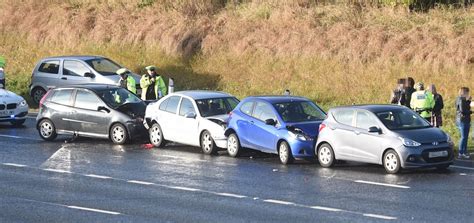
<point x="62" y="71"/>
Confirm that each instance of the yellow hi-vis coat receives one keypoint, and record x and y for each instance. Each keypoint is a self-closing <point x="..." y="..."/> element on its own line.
<point x="160" y="86"/>
<point x="422" y="102"/>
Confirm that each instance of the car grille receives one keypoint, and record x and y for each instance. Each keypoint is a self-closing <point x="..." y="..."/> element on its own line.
<point x="425" y="155"/>
<point x="11" y="106"/>
<point x="2" y="107"/>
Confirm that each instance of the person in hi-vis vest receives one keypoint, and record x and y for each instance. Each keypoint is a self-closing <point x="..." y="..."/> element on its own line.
<point x="152" y="84"/>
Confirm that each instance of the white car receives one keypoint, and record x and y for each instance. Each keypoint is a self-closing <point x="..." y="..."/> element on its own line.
<point x="196" y="118"/>
<point x="13" y="108"/>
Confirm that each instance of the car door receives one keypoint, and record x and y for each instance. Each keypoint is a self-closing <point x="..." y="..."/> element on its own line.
<point x="366" y="145"/>
<point x="187" y="127"/>
<point x="168" y="118"/>
<point x="60" y="108"/>
<point x="343" y="131"/>
<point x="47" y="74"/>
<point x="263" y="136"/>
<point x="87" y="119"/>
<point x="73" y="72"/>
<point x="243" y="123"/>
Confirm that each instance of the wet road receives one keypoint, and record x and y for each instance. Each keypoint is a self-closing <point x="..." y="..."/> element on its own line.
<point x="93" y="180"/>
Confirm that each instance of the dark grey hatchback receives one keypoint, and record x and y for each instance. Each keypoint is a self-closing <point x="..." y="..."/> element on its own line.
<point x="92" y="110"/>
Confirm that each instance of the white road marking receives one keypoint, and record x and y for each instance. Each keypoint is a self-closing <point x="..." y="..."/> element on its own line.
<point x="230" y="195"/>
<point x="19" y="137"/>
<point x="94" y="210"/>
<point x="98" y="176"/>
<point x="278" y="202"/>
<point x="463" y="174"/>
<point x="184" y="188"/>
<point x="380" y="216"/>
<point x="14" y="164"/>
<point x="194" y="160"/>
<point x="462" y="167"/>
<point x="382" y="184"/>
<point x="325" y="208"/>
<point x="57" y="171"/>
<point x="140" y="182"/>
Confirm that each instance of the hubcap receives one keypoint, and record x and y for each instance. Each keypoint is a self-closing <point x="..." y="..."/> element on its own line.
<point x="325" y="155"/>
<point x="155" y="135"/>
<point x="283" y="152"/>
<point x="118" y="134"/>
<point x="207" y="142"/>
<point x="46" y="129"/>
<point x="391" y="162"/>
<point x="232" y="145"/>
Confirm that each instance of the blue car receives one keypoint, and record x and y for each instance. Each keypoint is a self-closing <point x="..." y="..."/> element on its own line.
<point x="284" y="125"/>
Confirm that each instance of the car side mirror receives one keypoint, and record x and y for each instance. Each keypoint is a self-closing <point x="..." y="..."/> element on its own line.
<point x="89" y="75"/>
<point x="190" y="115"/>
<point x="270" y="122"/>
<point x="103" y="109"/>
<point x="374" y="129"/>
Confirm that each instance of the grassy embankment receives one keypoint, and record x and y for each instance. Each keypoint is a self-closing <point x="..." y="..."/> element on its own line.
<point x="333" y="54"/>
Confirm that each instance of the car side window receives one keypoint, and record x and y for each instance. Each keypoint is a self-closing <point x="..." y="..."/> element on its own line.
<point x="86" y="100"/>
<point x="186" y="107"/>
<point x="344" y="116"/>
<point x="164" y="104"/>
<point x="74" y="68"/>
<point x="50" y="67"/>
<point x="172" y="104"/>
<point x="62" y="97"/>
<point x="246" y="108"/>
<point x="264" y="111"/>
<point x="365" y="121"/>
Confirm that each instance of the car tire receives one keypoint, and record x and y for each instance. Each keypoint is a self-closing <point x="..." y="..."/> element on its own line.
<point x="443" y="167"/>
<point x="325" y="154"/>
<point x="233" y="145"/>
<point x="208" y="145"/>
<point x="118" y="134"/>
<point x="37" y="94"/>
<point x="18" y="123"/>
<point x="284" y="153"/>
<point x="391" y="162"/>
<point x="46" y="130"/>
<point x="156" y="136"/>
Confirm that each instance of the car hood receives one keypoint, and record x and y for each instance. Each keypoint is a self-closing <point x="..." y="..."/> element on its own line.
<point x="425" y="135"/>
<point x="9" y="97"/>
<point x="222" y="118"/>
<point x="134" y="110"/>
<point x="310" y="128"/>
<point x="114" y="79"/>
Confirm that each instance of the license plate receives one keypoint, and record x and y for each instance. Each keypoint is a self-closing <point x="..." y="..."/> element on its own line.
<point x="437" y="154"/>
<point x="5" y="113"/>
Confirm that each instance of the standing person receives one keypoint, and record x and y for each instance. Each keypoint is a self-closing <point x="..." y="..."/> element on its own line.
<point x="126" y="80"/>
<point x="398" y="95"/>
<point x="436" y="114"/>
<point x="409" y="90"/>
<point x="463" y="120"/>
<point x="2" y="73"/>
<point x="152" y="84"/>
<point x="422" y="101"/>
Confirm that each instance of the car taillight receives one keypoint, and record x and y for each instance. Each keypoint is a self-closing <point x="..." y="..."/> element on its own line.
<point x="321" y="127"/>
<point x="44" y="98"/>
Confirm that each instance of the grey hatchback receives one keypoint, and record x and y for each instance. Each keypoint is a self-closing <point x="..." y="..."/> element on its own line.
<point x="93" y="110"/>
<point x="391" y="135"/>
<point x="62" y="71"/>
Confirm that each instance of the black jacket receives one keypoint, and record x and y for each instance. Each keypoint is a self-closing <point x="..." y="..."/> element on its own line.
<point x="463" y="110"/>
<point x="398" y="96"/>
<point x="439" y="104"/>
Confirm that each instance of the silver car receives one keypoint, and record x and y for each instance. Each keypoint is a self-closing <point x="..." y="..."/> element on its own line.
<point x="62" y="71"/>
<point x="390" y="135"/>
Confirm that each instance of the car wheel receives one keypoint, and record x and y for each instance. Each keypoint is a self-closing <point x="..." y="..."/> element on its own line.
<point x="391" y="162"/>
<point x="284" y="152"/>
<point x="37" y="94"/>
<point x="18" y="123"/>
<point x="443" y="167"/>
<point x="156" y="136"/>
<point x="233" y="145"/>
<point x="326" y="155"/>
<point x="207" y="143"/>
<point x="118" y="134"/>
<point x="47" y="131"/>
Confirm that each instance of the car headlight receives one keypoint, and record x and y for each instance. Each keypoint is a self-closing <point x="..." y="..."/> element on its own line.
<point x="409" y="142"/>
<point x="22" y="103"/>
<point x="299" y="136"/>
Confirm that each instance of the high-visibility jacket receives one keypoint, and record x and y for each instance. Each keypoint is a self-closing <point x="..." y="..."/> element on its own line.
<point x="160" y="86"/>
<point x="422" y="102"/>
<point x="130" y="84"/>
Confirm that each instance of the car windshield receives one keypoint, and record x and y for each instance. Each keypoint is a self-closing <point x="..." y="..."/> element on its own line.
<point x="116" y="97"/>
<point x="299" y="111"/>
<point x="216" y="106"/>
<point x="104" y="66"/>
<point x="402" y="120"/>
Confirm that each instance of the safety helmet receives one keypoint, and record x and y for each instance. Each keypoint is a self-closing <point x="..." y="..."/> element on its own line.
<point x="122" y="71"/>
<point x="150" y="68"/>
<point x="419" y="86"/>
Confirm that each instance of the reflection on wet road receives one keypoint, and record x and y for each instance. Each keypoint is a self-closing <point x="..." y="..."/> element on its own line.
<point x="93" y="180"/>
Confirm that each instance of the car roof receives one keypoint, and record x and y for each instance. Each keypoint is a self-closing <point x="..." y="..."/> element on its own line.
<point x="202" y="94"/>
<point x="92" y="87"/>
<point x="278" y="98"/>
<point x="77" y="57"/>
<point x="374" y="108"/>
